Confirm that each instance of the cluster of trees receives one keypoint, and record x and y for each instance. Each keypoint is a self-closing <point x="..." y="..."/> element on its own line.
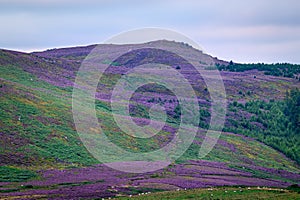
<point x="277" y="69"/>
<point x="275" y="123"/>
<point x="292" y="108"/>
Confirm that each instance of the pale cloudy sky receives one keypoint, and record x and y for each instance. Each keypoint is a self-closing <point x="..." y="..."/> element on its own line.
<point x="242" y="31"/>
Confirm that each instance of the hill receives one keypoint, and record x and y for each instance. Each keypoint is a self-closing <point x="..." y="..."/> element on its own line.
<point x="42" y="155"/>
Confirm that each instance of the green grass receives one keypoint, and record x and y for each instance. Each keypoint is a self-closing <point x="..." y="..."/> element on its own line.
<point x="41" y="116"/>
<point x="11" y="174"/>
<point x="221" y="193"/>
<point x="17" y="75"/>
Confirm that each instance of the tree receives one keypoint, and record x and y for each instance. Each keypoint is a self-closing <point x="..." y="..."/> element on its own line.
<point x="292" y="109"/>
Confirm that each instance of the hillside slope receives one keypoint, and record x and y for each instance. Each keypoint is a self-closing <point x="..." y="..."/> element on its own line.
<point x="39" y="139"/>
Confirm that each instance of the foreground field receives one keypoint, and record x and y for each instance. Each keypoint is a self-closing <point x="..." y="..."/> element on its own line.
<point x="222" y="193"/>
<point x="99" y="181"/>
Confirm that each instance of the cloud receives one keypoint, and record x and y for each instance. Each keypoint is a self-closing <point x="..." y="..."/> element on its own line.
<point x="216" y="24"/>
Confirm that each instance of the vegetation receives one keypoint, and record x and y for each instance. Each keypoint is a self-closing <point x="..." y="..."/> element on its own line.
<point x="277" y="69"/>
<point x="295" y="188"/>
<point x="10" y="174"/>
<point x="222" y="193"/>
<point x="39" y="139"/>
<point x="276" y="123"/>
<point x="40" y="124"/>
<point x="292" y="108"/>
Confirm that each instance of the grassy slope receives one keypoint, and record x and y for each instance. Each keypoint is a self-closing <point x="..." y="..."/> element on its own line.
<point x="221" y="193"/>
<point x="46" y="132"/>
<point x="38" y="115"/>
<point x="37" y="132"/>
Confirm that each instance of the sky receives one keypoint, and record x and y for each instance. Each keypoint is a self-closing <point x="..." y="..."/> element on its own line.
<point x="243" y="31"/>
